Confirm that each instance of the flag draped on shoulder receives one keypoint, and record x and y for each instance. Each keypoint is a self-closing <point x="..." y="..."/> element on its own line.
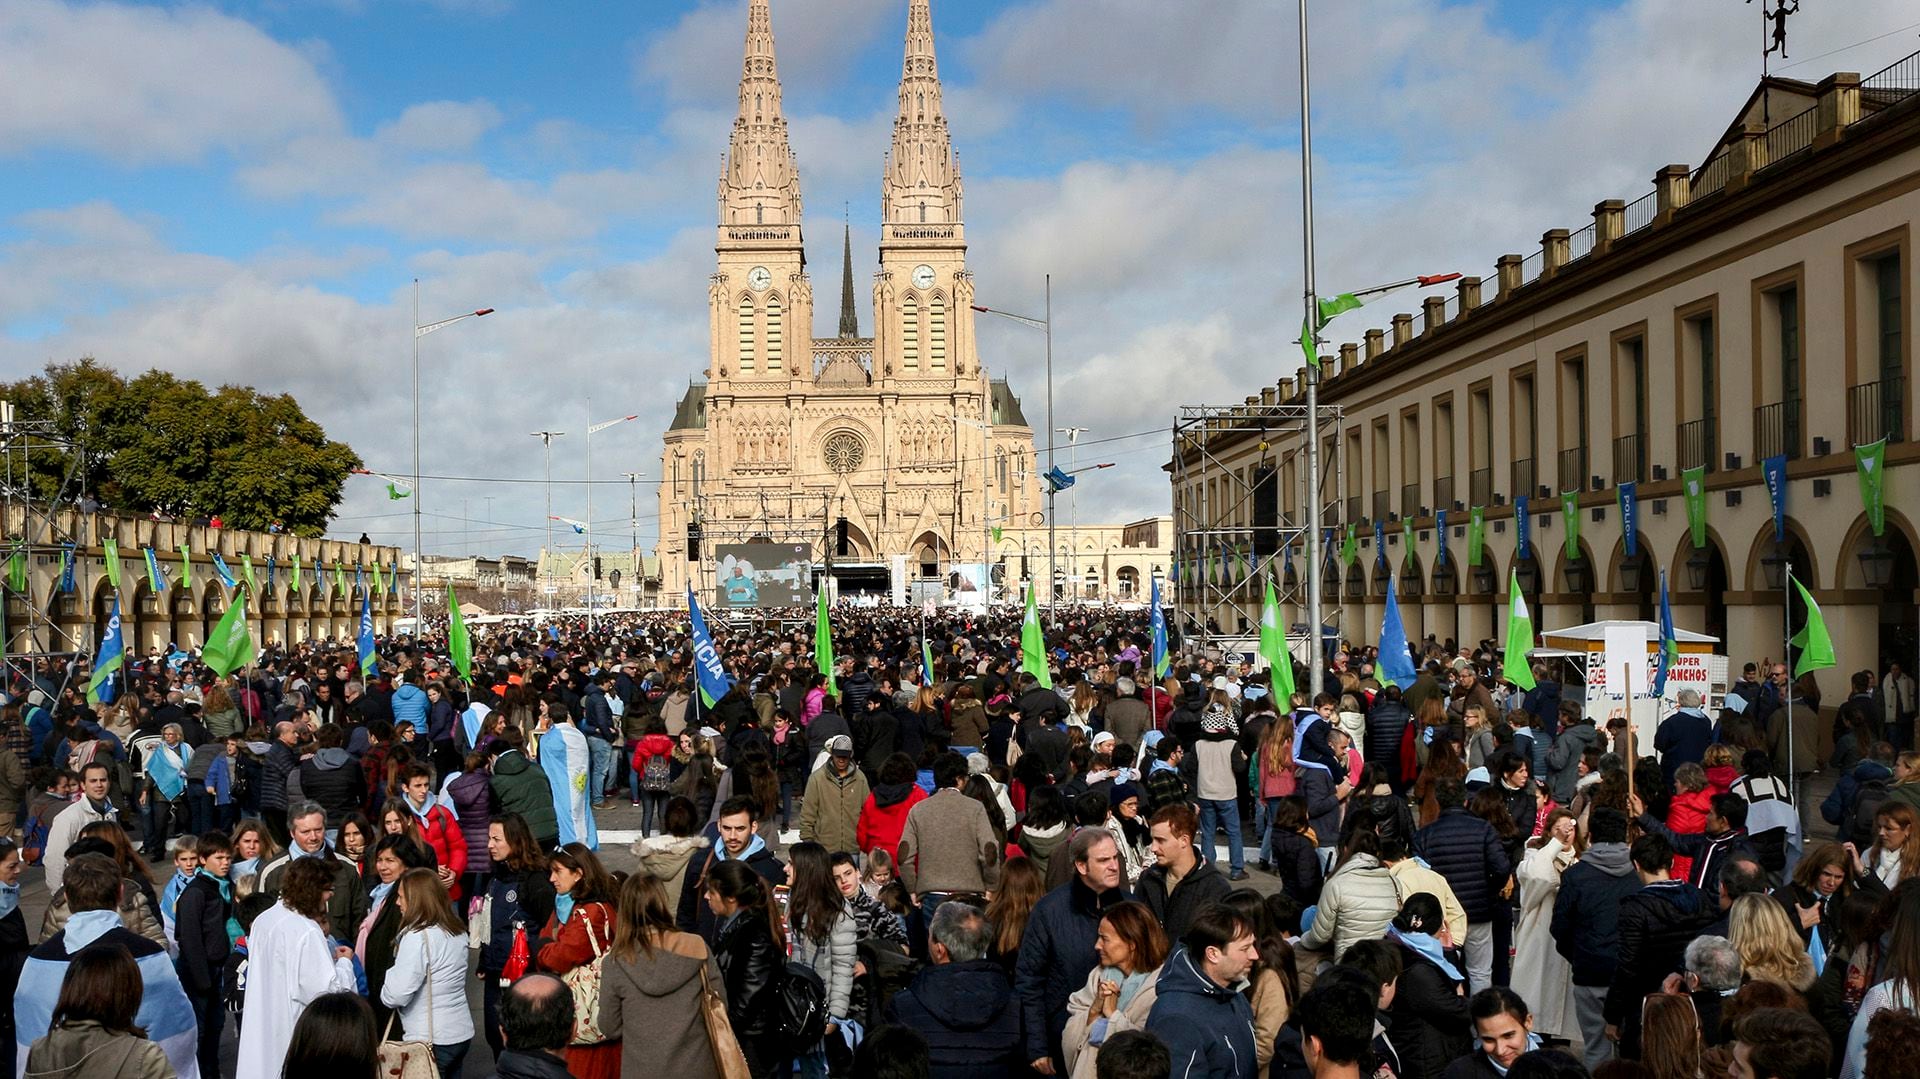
<point x="714" y="680"/>
<point x="459" y="644"/>
<point x="102" y="686"/>
<point x="564" y="758"/>
<point x="1033" y="641"/>
<point x="1519" y="635"/>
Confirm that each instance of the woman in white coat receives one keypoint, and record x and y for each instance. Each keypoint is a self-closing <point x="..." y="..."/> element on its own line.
<point x="1540" y="974"/>
<point x="1120" y="991"/>
<point x="427" y="984"/>
<point x="289" y="962"/>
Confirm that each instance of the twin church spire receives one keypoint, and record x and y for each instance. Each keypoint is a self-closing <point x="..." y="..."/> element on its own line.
<point x="761" y="184"/>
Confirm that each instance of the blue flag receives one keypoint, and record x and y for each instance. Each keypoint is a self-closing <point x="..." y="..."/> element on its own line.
<point x="1630" y="517"/>
<point x="366" y="636"/>
<point x="1440" y="534"/>
<point x="102" y="687"/>
<point x="1057" y="479"/>
<point x="1775" y="470"/>
<point x="66" y="568"/>
<point x="359" y="579"/>
<point x="220" y="570"/>
<point x="1158" y="656"/>
<point x="1379" y="543"/>
<point x="156" y="580"/>
<point x="1523" y="526"/>
<point x="1669" y="645"/>
<point x="714" y="681"/>
<point x="1396" y="658"/>
<point x="553" y="632"/>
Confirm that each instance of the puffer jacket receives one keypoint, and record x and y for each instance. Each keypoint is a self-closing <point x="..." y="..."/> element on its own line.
<point x="1386" y="725"/>
<point x="137" y="913"/>
<point x="1563" y="760"/>
<point x="1467" y="851"/>
<point x="969" y="724"/>
<point x="966" y="1013"/>
<point x="884" y="817"/>
<point x="832" y="959"/>
<point x="1357" y="903"/>
<point x="1656" y="925"/>
<point x="1206" y="1027"/>
<point x="1430" y="1022"/>
<point x="1586" y="912"/>
<point x="332" y="778"/>
<point x="281" y="762"/>
<point x="519" y="786"/>
<point x="410" y="706"/>
<point x="472" y="796"/>
<point x="519" y="899"/>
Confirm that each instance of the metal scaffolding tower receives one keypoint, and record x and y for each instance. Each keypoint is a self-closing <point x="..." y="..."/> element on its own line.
<point x="33" y="629"/>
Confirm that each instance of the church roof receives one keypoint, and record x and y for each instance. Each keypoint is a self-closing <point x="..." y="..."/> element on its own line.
<point x="691" y="413"/>
<point x="1006" y="407"/>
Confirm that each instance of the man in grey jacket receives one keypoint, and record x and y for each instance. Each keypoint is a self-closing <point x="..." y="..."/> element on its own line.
<point x="1563" y="760"/>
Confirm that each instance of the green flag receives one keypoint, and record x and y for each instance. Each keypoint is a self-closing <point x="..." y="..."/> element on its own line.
<point x="1519" y="636"/>
<point x="246" y="571"/>
<point x="1476" y="534"/>
<point x="230" y="646"/>
<point x="1871" y="460"/>
<point x="1693" y="485"/>
<point x="340" y="578"/>
<point x="1330" y="307"/>
<point x="823" y="640"/>
<point x="1273" y="648"/>
<point x="395" y="492"/>
<point x="17" y="569"/>
<point x="186" y="566"/>
<point x="379" y="585"/>
<point x="459" y="645"/>
<point x="1815" y="645"/>
<point x="1406" y="543"/>
<point x="1570" y="509"/>
<point x="996" y="533"/>
<point x="1033" y="641"/>
<point x="295" y="575"/>
<point x="1350" y="549"/>
<point x="110" y="553"/>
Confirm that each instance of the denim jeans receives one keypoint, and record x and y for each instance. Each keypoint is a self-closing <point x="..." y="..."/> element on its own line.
<point x="599" y="767"/>
<point x="199" y="809"/>
<point x="1265" y="829"/>
<point x="653" y="810"/>
<point x="1214" y="814"/>
<point x="448" y="1058"/>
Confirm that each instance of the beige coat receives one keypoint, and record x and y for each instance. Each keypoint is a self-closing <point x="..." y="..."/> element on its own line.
<point x="1081" y="1057"/>
<point x="1412" y="878"/>
<point x="665" y="858"/>
<point x="136" y="914"/>
<point x="1540" y="974"/>
<point x="83" y="1049"/>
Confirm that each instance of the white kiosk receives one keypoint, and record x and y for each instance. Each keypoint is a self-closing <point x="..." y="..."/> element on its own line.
<point x="1617" y="658"/>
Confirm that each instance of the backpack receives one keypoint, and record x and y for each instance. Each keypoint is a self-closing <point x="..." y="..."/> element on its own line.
<point x="656" y="776"/>
<point x="33" y="842"/>
<point x="1866" y="802"/>
<point x="800" y="1008"/>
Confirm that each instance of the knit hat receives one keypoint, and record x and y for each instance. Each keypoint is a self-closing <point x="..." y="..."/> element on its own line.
<point x="1120" y="792"/>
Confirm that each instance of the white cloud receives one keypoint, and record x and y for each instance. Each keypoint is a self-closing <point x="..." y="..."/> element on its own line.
<point x="439" y="127"/>
<point x="139" y="85"/>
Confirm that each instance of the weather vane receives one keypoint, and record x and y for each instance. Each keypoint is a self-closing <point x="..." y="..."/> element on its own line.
<point x="1774" y="24"/>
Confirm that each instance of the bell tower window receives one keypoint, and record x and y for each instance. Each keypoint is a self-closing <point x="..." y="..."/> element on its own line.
<point x="773" y="334"/>
<point x="910" y="334"/>
<point x="937" y="333"/>
<point x="746" y="334"/>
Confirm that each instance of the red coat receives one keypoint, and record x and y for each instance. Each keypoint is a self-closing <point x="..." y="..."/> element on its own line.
<point x="653" y="745"/>
<point x="1687" y="814"/>
<point x="880" y="826"/>
<point x="1719" y="781"/>
<point x="442" y="832"/>
<point x="567" y="945"/>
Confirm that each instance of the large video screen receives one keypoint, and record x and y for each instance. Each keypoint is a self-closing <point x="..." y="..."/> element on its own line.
<point x="763" y="575"/>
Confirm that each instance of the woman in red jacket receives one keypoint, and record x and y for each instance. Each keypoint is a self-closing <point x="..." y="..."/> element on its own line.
<point x="651" y="790"/>
<point x="438" y="827"/>
<point x="578" y="933"/>
<point x="884" y="816"/>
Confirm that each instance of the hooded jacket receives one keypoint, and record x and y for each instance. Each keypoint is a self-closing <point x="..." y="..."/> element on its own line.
<point x="410" y="706"/>
<point x="884" y="816"/>
<point x="830" y="808"/>
<point x="651" y="1003"/>
<point x="665" y="858"/>
<point x="1563" y="760"/>
<point x="1206" y="1027"/>
<point x="1586" y="913"/>
<point x="520" y="787"/>
<point x="1656" y="925"/>
<point x="1859" y="791"/>
<point x="472" y="797"/>
<point x="332" y="778"/>
<point x="694" y="915"/>
<point x="967" y="1014"/>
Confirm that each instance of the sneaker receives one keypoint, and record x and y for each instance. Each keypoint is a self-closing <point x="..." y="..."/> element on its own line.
<point x="1237" y="875"/>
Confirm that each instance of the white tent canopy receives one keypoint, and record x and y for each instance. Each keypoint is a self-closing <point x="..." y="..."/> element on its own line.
<point x="1597" y="632"/>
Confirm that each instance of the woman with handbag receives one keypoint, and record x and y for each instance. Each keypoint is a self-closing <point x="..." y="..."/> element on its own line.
<point x="825" y="937"/>
<point x="750" y="949"/>
<point x="378" y="933"/>
<point x="519" y="901"/>
<point x="574" y="946"/>
<point x="655" y="981"/>
<point x="427" y="984"/>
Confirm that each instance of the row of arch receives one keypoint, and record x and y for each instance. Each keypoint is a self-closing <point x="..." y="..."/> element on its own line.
<point x="180" y="616"/>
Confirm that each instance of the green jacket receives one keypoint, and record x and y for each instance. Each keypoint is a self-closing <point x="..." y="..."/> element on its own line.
<point x="519" y="786"/>
<point x="830" y="810"/>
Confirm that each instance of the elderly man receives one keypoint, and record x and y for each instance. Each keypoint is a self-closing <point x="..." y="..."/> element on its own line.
<point x="282" y="760"/>
<point x="1057" y="953"/>
<point x="1683" y="737"/>
<point x="348" y="906"/>
<point x="962" y="1004"/>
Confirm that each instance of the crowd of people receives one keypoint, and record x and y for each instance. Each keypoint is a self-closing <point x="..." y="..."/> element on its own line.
<point x="979" y="863"/>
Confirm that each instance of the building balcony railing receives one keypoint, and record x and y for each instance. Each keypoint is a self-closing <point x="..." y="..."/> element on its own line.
<point x="1354" y="511"/>
<point x="1480" y="487"/>
<point x="1776" y="429"/>
<point x="1382" y="505"/>
<point x="1876" y="410"/>
<point x="1696" y="442"/>
<point x="1630" y="459"/>
<point x="1410" y="500"/>
<point x="1573" y="469"/>
<point x="1525" y="478"/>
<point x="1443" y="492"/>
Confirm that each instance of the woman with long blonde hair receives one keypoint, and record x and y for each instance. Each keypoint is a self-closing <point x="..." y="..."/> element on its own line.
<point x="1770" y="948"/>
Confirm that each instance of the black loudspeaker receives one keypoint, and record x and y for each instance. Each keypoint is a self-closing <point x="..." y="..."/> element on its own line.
<point x="1266" y="512"/>
<point x="693" y="543"/>
<point x="841" y="547"/>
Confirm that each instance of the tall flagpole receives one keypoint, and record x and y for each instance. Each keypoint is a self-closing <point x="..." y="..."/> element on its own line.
<point x="1317" y="667"/>
<point x="1786" y="626"/>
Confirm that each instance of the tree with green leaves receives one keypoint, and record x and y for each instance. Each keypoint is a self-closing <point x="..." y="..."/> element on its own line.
<point x="160" y="443"/>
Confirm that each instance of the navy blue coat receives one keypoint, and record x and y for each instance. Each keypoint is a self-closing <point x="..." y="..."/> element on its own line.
<point x="1056" y="955"/>
<point x="1206" y="1027"/>
<point x="967" y="1013"/>
<point x="1467" y="851"/>
<point x="1682" y="738"/>
<point x="1586" y="912"/>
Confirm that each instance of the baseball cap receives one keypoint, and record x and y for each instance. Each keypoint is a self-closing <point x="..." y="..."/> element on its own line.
<point x="840" y="746"/>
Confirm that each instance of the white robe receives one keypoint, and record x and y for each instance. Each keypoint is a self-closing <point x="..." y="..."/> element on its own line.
<point x="1541" y="974"/>
<point x="289" y="962"/>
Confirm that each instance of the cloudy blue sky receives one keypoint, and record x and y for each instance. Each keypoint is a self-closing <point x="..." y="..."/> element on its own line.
<point x="241" y="191"/>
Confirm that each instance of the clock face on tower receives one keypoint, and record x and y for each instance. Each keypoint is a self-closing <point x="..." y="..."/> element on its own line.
<point x="758" y="279"/>
<point x="923" y="276"/>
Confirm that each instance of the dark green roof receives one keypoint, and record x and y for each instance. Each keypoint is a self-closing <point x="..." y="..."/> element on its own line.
<point x="691" y="415"/>
<point x="1006" y="407"/>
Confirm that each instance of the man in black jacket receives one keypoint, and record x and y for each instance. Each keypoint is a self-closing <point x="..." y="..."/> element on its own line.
<point x="1180" y="884"/>
<point x="1725" y="839"/>
<point x="1057" y="952"/>
<point x="1386" y="725"/>
<point x="1586" y="924"/>
<point x="734" y="837"/>
<point x="332" y="777"/>
<point x="1467" y="851"/>
<point x="962" y="1004"/>
<point x="1656" y="924"/>
<point x="200" y="927"/>
<point x="596" y="722"/>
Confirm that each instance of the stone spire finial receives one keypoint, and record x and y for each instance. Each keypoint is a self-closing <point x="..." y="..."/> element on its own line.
<point x="849" y="320"/>
<point x="761" y="183"/>
<point x="922" y="184"/>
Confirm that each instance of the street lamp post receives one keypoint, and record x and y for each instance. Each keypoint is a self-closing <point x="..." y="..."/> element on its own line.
<point x="633" y="521"/>
<point x="420" y="330"/>
<point x="546" y="441"/>
<point x="593" y="429"/>
<point x="1073" y="534"/>
<point x="1045" y="323"/>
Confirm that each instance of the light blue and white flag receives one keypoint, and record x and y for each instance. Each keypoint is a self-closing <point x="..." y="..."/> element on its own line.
<point x="220" y="570"/>
<point x="164" y="1012"/>
<point x="714" y="680"/>
<point x="104" y="686"/>
<point x="1159" y="658"/>
<point x="564" y="757"/>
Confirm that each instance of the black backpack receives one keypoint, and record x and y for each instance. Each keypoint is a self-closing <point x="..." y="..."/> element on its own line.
<point x="1866" y="802"/>
<point x="800" y="1009"/>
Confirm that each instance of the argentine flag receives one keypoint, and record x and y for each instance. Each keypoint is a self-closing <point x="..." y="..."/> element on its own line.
<point x="563" y="756"/>
<point x="103" y="687"/>
<point x="164" y="1012"/>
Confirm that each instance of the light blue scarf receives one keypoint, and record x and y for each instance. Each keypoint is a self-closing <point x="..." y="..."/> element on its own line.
<point x="379" y="895"/>
<point x="562" y="908"/>
<point x="9" y="899"/>
<point x="1130" y="984"/>
<point x="1428" y="947"/>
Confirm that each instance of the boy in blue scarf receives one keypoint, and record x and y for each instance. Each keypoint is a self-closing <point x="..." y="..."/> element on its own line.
<point x="186" y="866"/>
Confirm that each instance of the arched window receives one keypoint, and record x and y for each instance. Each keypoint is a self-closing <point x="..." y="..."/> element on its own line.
<point x="773" y="334"/>
<point x="910" y="334"/>
<point x="1000" y="459"/>
<point x="937" y="333"/>
<point x="699" y="472"/>
<point x="746" y="334"/>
